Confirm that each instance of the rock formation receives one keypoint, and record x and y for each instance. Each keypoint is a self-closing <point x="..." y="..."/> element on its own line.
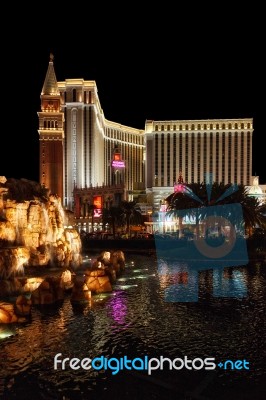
<point x="32" y="231"/>
<point x="103" y="273"/>
<point x="18" y="312"/>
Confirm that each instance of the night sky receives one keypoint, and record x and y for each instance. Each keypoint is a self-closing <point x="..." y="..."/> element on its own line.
<point x="174" y="70"/>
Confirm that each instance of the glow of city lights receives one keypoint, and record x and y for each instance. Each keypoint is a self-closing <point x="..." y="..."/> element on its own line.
<point x="5" y="332"/>
<point x="125" y="287"/>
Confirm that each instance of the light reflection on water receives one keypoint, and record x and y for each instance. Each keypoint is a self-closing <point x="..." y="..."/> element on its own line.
<point x="135" y="320"/>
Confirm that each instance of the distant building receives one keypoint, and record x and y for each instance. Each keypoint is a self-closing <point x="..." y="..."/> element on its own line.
<point x="77" y="142"/>
<point x="77" y="146"/>
<point x="256" y="190"/>
<point x="221" y="147"/>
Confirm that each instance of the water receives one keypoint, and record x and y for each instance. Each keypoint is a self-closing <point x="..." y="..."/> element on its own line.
<point x="134" y="321"/>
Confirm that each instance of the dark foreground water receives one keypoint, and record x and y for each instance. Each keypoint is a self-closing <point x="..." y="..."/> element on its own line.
<point x="136" y="321"/>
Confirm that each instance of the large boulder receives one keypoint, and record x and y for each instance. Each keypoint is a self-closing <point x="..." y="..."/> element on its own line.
<point x="18" y="312"/>
<point x="80" y="292"/>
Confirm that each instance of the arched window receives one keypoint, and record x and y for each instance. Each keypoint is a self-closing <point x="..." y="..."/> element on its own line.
<point x="156" y="127"/>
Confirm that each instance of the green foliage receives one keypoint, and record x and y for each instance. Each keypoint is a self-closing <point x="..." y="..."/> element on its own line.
<point x="254" y="213"/>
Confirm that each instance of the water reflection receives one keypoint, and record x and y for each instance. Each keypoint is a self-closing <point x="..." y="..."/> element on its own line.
<point x="181" y="281"/>
<point x="117" y="310"/>
<point x="7" y="330"/>
<point x="229" y="283"/>
<point x="136" y="320"/>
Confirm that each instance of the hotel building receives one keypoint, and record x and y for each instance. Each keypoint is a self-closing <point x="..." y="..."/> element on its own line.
<point x="82" y="154"/>
<point x="220" y="147"/>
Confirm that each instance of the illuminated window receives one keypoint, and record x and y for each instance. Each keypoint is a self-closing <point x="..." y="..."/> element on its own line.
<point x="229" y="157"/>
<point x="168" y="159"/>
<point x="211" y="153"/>
<point x="192" y="157"/>
<point x="186" y="157"/>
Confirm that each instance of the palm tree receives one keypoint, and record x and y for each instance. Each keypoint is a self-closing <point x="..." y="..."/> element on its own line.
<point x="112" y="215"/>
<point x="131" y="213"/>
<point x="186" y="203"/>
<point x="195" y="199"/>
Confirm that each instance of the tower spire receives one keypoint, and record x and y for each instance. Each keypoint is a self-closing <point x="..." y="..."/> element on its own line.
<point x="51" y="134"/>
<point x="50" y="86"/>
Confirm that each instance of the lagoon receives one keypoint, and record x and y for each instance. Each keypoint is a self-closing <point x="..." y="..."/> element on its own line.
<point x="137" y="321"/>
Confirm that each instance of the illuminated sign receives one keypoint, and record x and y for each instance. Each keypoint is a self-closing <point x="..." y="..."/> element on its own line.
<point x="117" y="161"/>
<point x="97" y="202"/>
<point x="118" y="164"/>
<point x="179" y="188"/>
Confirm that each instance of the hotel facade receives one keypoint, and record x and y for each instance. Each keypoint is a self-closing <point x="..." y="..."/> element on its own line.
<point x="83" y="155"/>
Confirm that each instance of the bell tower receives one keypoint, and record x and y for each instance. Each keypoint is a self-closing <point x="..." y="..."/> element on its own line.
<point x="51" y="134"/>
